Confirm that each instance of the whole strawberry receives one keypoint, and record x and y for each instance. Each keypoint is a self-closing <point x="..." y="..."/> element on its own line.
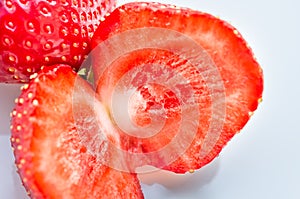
<point x="34" y="33"/>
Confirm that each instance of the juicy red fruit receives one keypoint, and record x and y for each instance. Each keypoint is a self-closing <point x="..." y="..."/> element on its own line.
<point x="36" y="33"/>
<point x="224" y="46"/>
<point x="47" y="141"/>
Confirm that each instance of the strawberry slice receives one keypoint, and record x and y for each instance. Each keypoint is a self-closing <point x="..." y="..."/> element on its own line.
<point x="36" y="33"/>
<point x="178" y="83"/>
<point x="53" y="113"/>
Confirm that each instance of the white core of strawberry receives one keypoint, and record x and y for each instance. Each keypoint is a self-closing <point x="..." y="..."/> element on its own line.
<point x="133" y="115"/>
<point x="105" y="123"/>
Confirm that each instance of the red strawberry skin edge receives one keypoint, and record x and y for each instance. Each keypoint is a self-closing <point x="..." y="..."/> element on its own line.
<point x="42" y="33"/>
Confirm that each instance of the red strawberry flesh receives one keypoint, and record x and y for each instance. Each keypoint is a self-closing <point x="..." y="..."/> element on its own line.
<point x="51" y="116"/>
<point x="239" y="72"/>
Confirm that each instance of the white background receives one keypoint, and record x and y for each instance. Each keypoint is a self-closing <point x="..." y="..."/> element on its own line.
<point x="262" y="161"/>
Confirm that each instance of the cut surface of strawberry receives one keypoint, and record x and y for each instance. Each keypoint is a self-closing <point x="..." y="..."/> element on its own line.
<point x="36" y="33"/>
<point x="185" y="76"/>
<point x="52" y="113"/>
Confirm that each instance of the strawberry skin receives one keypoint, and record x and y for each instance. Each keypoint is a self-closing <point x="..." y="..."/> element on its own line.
<point x="46" y="138"/>
<point x="240" y="73"/>
<point x="42" y="33"/>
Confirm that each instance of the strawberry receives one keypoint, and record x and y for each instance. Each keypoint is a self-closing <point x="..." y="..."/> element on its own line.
<point x="36" y="33"/>
<point x="185" y="82"/>
<point x="52" y="115"/>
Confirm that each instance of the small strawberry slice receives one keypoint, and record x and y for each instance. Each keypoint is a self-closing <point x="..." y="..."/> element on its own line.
<point x="52" y="114"/>
<point x="202" y="64"/>
<point x="36" y="33"/>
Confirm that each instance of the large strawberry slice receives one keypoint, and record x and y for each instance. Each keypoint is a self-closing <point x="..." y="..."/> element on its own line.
<point x="36" y="33"/>
<point x="178" y="83"/>
<point x="53" y="113"/>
